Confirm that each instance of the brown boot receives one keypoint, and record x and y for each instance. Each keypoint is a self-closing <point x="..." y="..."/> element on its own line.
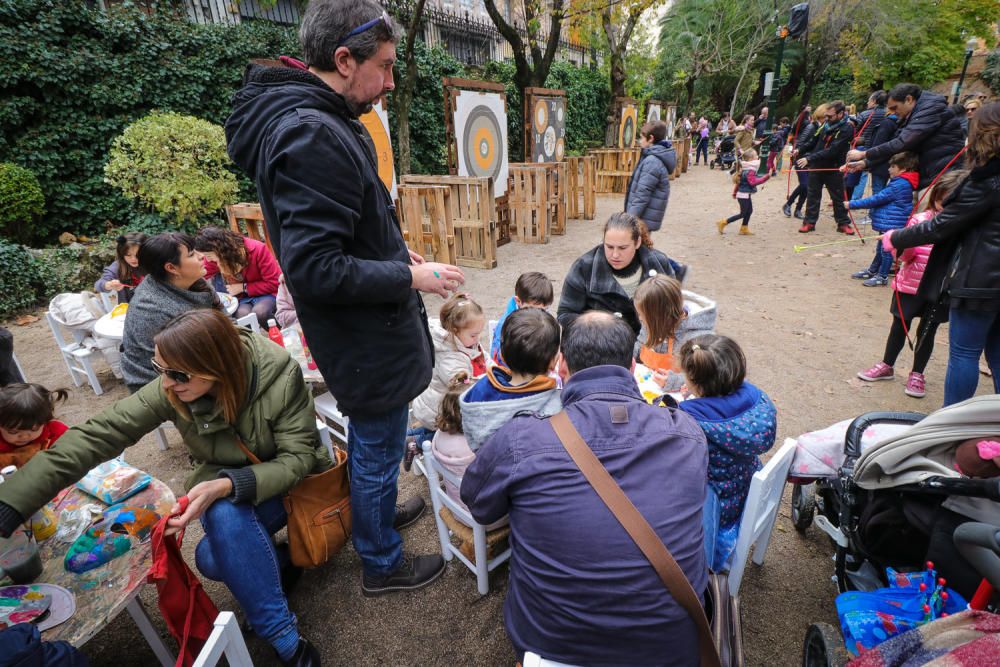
<point x="721" y="224"/>
<point x="745" y="231"/>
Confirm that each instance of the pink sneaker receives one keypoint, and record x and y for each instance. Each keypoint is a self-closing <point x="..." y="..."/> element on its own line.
<point x="915" y="385"/>
<point x="880" y="371"/>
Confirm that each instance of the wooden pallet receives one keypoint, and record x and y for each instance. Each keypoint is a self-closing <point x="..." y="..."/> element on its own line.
<point x="248" y="219"/>
<point x="614" y="167"/>
<point x="473" y="217"/>
<point x="504" y="230"/>
<point x="530" y="205"/>
<point x="685" y="154"/>
<point x="426" y="221"/>
<point x="581" y="182"/>
<point x="558" y="193"/>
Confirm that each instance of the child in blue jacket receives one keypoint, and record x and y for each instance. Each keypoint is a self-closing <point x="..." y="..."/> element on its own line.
<point x="740" y="423"/>
<point x="890" y="209"/>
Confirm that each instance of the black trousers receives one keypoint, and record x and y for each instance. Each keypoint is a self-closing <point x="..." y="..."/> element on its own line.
<point x="798" y="196"/>
<point x="924" y="342"/>
<point x="833" y="181"/>
<point x="746" y="210"/>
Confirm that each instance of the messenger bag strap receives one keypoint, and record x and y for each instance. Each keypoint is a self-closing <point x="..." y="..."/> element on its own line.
<point x="249" y="454"/>
<point x="640" y="531"/>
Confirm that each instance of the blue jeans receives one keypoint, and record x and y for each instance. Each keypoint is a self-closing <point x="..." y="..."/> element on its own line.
<point x="970" y="332"/>
<point x="238" y="550"/>
<point x="878" y="183"/>
<point x="859" y="189"/>
<point x="374" y="449"/>
<point x="882" y="262"/>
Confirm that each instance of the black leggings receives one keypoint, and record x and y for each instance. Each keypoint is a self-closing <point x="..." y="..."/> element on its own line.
<point x="924" y="342"/>
<point x="746" y="209"/>
<point x="798" y="196"/>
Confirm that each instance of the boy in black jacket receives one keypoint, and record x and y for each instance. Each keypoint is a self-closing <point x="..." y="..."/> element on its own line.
<point x="830" y="152"/>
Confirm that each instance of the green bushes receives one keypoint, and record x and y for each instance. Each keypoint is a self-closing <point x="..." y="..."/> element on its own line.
<point x="20" y="278"/>
<point x="175" y="164"/>
<point x="79" y="76"/>
<point x="21" y="201"/>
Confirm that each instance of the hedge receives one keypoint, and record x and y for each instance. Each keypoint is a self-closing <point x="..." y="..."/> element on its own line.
<point x="79" y="76"/>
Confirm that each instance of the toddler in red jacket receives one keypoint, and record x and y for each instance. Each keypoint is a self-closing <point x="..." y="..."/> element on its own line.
<point x="910" y="302"/>
<point x="26" y="421"/>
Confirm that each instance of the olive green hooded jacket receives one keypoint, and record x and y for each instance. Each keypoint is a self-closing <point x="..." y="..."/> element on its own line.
<point x="277" y="423"/>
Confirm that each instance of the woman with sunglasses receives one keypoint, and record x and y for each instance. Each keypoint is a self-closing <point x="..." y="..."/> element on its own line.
<point x="219" y="385"/>
<point x="175" y="283"/>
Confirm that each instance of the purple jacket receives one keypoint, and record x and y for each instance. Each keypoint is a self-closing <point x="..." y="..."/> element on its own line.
<point x="580" y="591"/>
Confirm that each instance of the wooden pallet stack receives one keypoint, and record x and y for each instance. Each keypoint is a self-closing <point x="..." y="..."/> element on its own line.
<point x="614" y="167"/>
<point x="581" y="183"/>
<point x="426" y="221"/>
<point x="473" y="216"/>
<point x="530" y="203"/>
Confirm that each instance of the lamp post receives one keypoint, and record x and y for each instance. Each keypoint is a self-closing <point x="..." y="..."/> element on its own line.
<point x="970" y="46"/>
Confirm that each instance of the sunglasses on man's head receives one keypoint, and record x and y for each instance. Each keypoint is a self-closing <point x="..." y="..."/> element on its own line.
<point x="368" y="25"/>
<point x="180" y="377"/>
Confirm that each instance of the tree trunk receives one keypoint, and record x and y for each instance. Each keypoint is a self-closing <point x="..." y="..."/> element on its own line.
<point x="617" y="73"/>
<point x="689" y="87"/>
<point x="403" y="96"/>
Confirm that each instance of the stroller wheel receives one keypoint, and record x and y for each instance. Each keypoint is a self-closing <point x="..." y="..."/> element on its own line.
<point x="803" y="506"/>
<point x="711" y="165"/>
<point x="824" y="647"/>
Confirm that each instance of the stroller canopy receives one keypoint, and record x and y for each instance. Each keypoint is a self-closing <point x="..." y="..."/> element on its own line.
<point x="927" y="449"/>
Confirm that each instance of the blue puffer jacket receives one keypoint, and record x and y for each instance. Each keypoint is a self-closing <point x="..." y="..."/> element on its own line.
<point x="739" y="428"/>
<point x="891" y="208"/>
<point x="649" y="190"/>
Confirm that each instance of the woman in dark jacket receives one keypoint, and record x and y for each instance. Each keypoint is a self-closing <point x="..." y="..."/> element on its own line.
<point x="966" y="238"/>
<point x="606" y="277"/>
<point x="805" y="139"/>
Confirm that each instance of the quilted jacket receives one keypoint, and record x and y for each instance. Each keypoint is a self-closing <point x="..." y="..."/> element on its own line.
<point x="892" y="206"/>
<point x="907" y="279"/>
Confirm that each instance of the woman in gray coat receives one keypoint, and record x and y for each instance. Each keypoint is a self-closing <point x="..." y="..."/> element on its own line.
<point x="649" y="188"/>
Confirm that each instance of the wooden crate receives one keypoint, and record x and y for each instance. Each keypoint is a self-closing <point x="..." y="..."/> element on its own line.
<point x="685" y="155"/>
<point x="247" y="219"/>
<point x="426" y="221"/>
<point x="614" y="167"/>
<point x="530" y="205"/>
<point x="504" y="231"/>
<point x="473" y="217"/>
<point x="558" y="193"/>
<point x="580" y="180"/>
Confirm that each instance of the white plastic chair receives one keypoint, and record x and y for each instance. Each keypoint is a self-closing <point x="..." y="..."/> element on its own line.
<point x="760" y="513"/>
<point x="225" y="640"/>
<point x="107" y="303"/>
<point x="329" y="412"/>
<point x="324" y="437"/>
<point x="535" y="660"/>
<point x="436" y="474"/>
<point x="249" y="321"/>
<point x="76" y="355"/>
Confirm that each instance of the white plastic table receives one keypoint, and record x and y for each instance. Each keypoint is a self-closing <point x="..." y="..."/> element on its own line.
<point x="114" y="327"/>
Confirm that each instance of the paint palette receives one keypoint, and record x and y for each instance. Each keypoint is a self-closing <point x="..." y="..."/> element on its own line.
<point x="22" y="604"/>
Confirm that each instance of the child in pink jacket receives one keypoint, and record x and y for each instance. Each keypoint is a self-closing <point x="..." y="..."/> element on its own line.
<point x="908" y="303"/>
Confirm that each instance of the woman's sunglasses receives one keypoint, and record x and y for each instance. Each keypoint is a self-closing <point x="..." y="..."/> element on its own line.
<point x="180" y="377"/>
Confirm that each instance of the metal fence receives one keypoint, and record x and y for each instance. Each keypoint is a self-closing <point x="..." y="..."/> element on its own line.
<point x="471" y="39"/>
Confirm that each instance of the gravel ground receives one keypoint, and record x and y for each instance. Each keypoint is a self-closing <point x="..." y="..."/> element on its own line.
<point x="806" y="328"/>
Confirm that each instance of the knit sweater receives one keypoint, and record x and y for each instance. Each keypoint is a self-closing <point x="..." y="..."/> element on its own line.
<point x="153" y="304"/>
<point x="739" y="427"/>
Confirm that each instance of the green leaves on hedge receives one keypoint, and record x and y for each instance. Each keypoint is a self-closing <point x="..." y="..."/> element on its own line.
<point x="21" y="201"/>
<point x="175" y="164"/>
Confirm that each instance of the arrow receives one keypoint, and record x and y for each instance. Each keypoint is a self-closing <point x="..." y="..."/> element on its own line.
<point x="800" y="248"/>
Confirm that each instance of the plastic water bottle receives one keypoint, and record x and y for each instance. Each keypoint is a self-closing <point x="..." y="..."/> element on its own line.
<point x="274" y="333"/>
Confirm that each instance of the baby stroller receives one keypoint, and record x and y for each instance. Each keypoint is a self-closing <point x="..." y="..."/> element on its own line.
<point x="879" y="508"/>
<point x="725" y="153"/>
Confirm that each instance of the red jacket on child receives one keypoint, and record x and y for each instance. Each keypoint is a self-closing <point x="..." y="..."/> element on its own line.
<point x="261" y="272"/>
<point x="18" y="456"/>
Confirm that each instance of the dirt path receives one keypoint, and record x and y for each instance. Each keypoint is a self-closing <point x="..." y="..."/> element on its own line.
<point x="806" y="328"/>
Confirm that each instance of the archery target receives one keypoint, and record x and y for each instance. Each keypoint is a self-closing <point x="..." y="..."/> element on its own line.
<point x="653" y="113"/>
<point x="627" y="129"/>
<point x="376" y="122"/>
<point x="671" y="120"/>
<point x="548" y="129"/>
<point x="481" y="135"/>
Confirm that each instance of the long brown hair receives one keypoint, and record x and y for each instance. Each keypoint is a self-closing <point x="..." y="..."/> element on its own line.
<point x="229" y="246"/>
<point x="661" y="303"/>
<point x="636" y="228"/>
<point x="206" y="344"/>
<point x="449" y="419"/>
<point x="126" y="274"/>
<point x="984" y="135"/>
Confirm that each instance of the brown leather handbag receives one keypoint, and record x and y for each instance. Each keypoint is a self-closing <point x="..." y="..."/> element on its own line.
<point x="319" y="512"/>
<point x="645" y="538"/>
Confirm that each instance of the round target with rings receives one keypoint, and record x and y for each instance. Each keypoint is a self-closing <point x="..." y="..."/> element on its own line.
<point x="482" y="142"/>
<point x="541" y="116"/>
<point x="549" y="145"/>
<point x="628" y="131"/>
<point x="560" y="149"/>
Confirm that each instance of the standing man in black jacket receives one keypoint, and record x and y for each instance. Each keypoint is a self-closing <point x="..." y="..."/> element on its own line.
<point x="355" y="284"/>
<point x="926" y="126"/>
<point x="831" y="147"/>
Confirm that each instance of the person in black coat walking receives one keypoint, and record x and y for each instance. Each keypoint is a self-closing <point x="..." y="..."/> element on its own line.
<point x="355" y="284"/>
<point x="965" y="261"/>
<point x="926" y="127"/>
<point x="831" y="148"/>
<point x="806" y="129"/>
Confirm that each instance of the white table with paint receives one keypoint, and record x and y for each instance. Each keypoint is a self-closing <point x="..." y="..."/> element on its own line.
<point x="113" y="326"/>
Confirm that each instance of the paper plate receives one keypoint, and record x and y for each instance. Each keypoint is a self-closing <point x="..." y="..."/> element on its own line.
<point x="22" y="604"/>
<point x="62" y="607"/>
